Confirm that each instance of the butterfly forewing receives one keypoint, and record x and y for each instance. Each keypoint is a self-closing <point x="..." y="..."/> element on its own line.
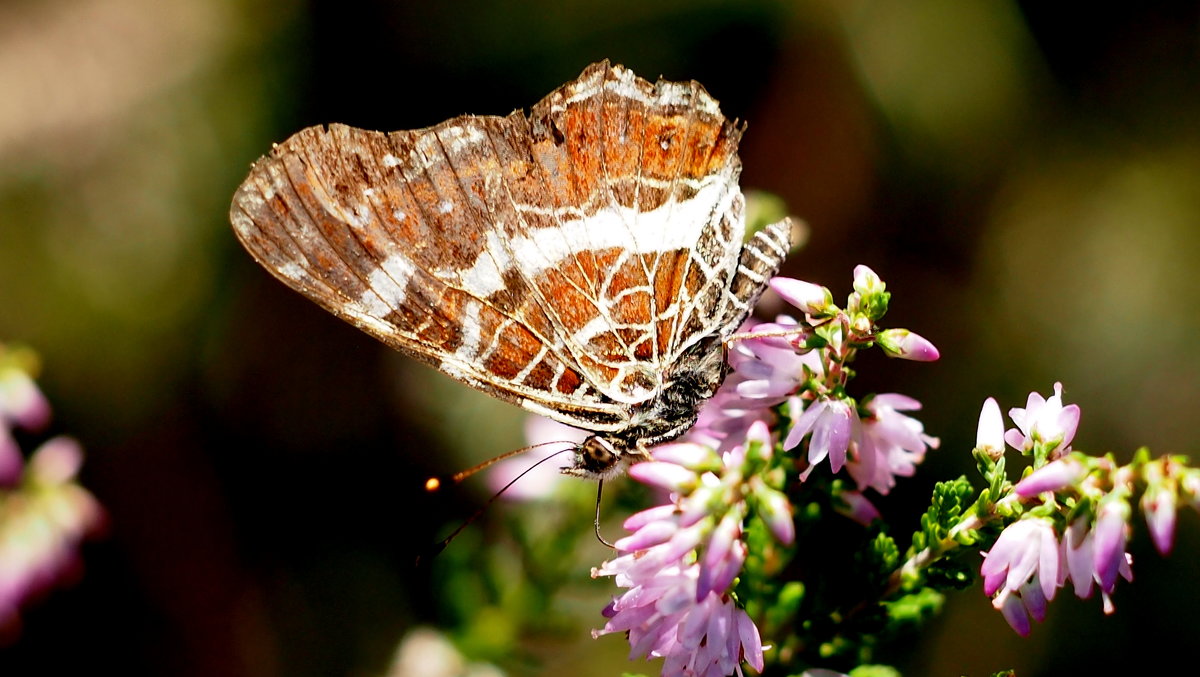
<point x="563" y="260"/>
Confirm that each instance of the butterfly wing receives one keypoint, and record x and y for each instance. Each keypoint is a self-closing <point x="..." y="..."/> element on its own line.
<point x="539" y="258"/>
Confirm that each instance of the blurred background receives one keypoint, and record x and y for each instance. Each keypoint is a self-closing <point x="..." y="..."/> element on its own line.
<point x="1025" y="176"/>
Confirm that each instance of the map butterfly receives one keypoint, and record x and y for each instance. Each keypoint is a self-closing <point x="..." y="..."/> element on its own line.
<point x="584" y="261"/>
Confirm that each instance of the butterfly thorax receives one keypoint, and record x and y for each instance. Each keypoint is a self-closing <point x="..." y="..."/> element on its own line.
<point x="697" y="375"/>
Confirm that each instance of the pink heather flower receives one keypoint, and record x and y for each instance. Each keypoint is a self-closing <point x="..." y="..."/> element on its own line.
<point x="768" y="369"/>
<point x="1044" y="420"/>
<point x="1054" y="476"/>
<point x="810" y="298"/>
<point x="725" y="418"/>
<point x="832" y="424"/>
<point x="723" y="556"/>
<point x="765" y="372"/>
<point x="1026" y="550"/>
<point x="989" y="436"/>
<point x="1158" y="503"/>
<point x="1022" y="571"/>
<point x="1111" y="533"/>
<point x="1077" y="550"/>
<point x="1085" y="561"/>
<point x="662" y="611"/>
<point x="664" y="475"/>
<point x="892" y="444"/>
<point x="907" y="345"/>
<point x="681" y="559"/>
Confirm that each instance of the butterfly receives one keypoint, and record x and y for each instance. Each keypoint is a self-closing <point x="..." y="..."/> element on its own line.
<point x="584" y="261"/>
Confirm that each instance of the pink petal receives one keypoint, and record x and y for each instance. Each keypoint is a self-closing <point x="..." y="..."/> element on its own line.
<point x="663" y="475"/>
<point x="811" y="299"/>
<point x="1054" y="476"/>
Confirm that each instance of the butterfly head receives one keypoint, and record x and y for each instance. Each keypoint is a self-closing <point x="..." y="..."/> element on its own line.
<point x="602" y="458"/>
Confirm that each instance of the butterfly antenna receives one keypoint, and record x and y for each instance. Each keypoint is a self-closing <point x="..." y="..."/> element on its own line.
<point x="775" y="333"/>
<point x="434" y="483"/>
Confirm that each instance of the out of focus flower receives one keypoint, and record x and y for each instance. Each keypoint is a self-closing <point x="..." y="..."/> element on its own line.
<point x="1046" y="421"/>
<point x="548" y="437"/>
<point x="857" y="507"/>
<point x="425" y="652"/>
<point x="42" y="525"/>
<point x="22" y="404"/>
<point x="1159" y="503"/>
<point x="44" y="514"/>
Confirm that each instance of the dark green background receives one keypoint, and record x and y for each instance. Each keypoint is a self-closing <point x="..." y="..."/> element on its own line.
<point x="1025" y="176"/>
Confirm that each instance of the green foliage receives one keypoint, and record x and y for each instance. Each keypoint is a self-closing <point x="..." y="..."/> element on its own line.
<point x="947" y="506"/>
<point x="874" y="671"/>
<point x="909" y="611"/>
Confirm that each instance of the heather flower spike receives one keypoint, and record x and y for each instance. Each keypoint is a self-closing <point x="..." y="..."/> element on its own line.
<point x="785" y="441"/>
<point x="682" y="558"/>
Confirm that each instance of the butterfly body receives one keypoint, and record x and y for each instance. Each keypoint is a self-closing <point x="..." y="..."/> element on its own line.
<point x="584" y="261"/>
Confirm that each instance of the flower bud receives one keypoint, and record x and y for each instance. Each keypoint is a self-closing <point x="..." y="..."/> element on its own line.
<point x="907" y="345"/>
<point x="664" y="475"/>
<point x="809" y="298"/>
<point x="776" y="513"/>
<point x="1054" y="476"/>
<point x="866" y="281"/>
<point x="989" y="436"/>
